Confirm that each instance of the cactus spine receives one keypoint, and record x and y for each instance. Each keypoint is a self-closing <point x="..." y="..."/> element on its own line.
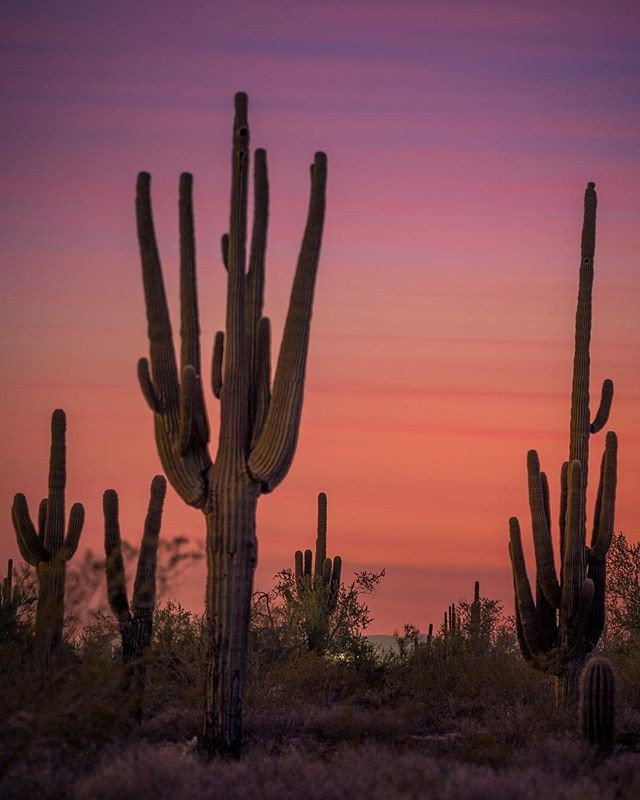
<point x="597" y="704"/>
<point x="259" y="423"/>
<point x="562" y="625"/>
<point x="318" y="584"/>
<point x="48" y="549"/>
<point x="135" y="621"/>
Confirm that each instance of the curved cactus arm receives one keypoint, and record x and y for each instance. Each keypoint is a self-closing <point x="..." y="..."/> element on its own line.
<point x="163" y="358"/>
<point x="30" y="544"/>
<point x="147" y="387"/>
<point x="573" y="568"/>
<point x="216" y="364"/>
<point x="606" y="398"/>
<point x="321" y="538"/>
<point x="605" y="500"/>
<point x="538" y="503"/>
<point x="224" y="249"/>
<point x="578" y="625"/>
<point x="273" y="453"/>
<point x="144" y="588"/>
<point x="116" y="584"/>
<point x="524" y="596"/>
<point x="189" y="318"/>
<point x="74" y="529"/>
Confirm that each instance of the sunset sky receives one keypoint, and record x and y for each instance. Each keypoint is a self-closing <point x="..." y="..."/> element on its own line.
<point x="460" y="138"/>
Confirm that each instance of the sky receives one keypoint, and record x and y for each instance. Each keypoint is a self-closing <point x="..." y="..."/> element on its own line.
<point x="460" y="137"/>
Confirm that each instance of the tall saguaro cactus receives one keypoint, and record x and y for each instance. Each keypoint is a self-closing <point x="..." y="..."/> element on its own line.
<point x="562" y="625"/>
<point x="48" y="548"/>
<point x="318" y="583"/>
<point x="259" y="422"/>
<point x="135" y="620"/>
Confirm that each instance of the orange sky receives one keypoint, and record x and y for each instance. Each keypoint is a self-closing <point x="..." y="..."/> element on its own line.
<point x="459" y="148"/>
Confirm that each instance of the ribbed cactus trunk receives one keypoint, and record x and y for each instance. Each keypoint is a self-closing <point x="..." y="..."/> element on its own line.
<point x="232" y="554"/>
<point x="259" y="421"/>
<point x="49" y="548"/>
<point x="562" y="625"/>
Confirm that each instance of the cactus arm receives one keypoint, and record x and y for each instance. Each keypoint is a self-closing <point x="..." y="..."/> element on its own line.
<point x="336" y="575"/>
<point x="233" y="398"/>
<point x="255" y="274"/>
<point x="163" y="358"/>
<point x="263" y="379"/>
<point x="224" y="249"/>
<point x="54" y="526"/>
<point x="308" y="559"/>
<point x="144" y="588"/>
<point x="605" y="500"/>
<point x="324" y="579"/>
<point x="538" y="503"/>
<point x="524" y="597"/>
<point x="186" y="425"/>
<point x="42" y="518"/>
<point x="578" y="626"/>
<point x="298" y="564"/>
<point x="321" y="538"/>
<point x="74" y="529"/>
<point x="273" y="453"/>
<point x="185" y="466"/>
<point x="216" y="364"/>
<point x="564" y="493"/>
<point x="606" y="398"/>
<point x="580" y="427"/>
<point x="116" y="584"/>
<point x="573" y="566"/>
<point x="189" y="319"/>
<point x="30" y="545"/>
<point x="147" y="387"/>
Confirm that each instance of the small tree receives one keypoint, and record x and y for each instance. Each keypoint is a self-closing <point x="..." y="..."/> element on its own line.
<point x="622" y="600"/>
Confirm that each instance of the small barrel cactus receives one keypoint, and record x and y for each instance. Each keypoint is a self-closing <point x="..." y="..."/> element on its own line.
<point x="597" y="704"/>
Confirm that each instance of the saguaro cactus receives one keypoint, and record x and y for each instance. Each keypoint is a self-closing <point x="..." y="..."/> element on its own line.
<point x="8" y="604"/>
<point x="562" y="625"/>
<point x="475" y="618"/>
<point x="49" y="549"/>
<point x="318" y="584"/>
<point x="597" y="707"/>
<point x="259" y="423"/>
<point x="135" y="621"/>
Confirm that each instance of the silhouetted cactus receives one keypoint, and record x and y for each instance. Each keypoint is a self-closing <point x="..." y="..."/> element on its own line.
<point x="259" y="423"/>
<point x="475" y="618"/>
<point x="136" y="620"/>
<point x="564" y="623"/>
<point x="597" y="704"/>
<point x="318" y="584"/>
<point x="48" y="549"/>
<point x="8" y="605"/>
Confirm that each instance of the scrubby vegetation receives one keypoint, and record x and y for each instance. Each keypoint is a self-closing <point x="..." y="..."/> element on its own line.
<point x="442" y="718"/>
